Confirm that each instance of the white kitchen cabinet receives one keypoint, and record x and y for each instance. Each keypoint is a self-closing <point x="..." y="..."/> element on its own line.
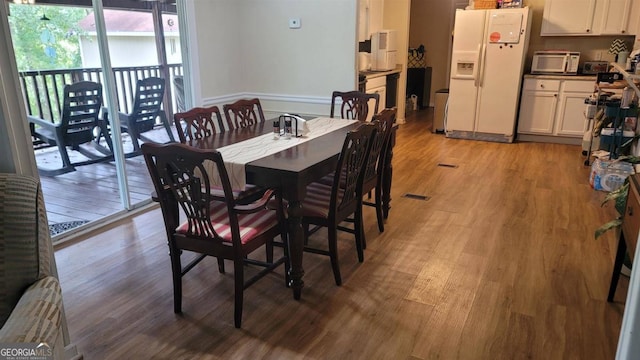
<point x="587" y="17"/>
<point x="377" y="85"/>
<point x="554" y="107"/>
<point x="615" y="17"/>
<point x="571" y="120"/>
<point x="363" y="20"/>
<point x="369" y="18"/>
<point x="538" y="106"/>
<point x="634" y="20"/>
<point x="568" y="17"/>
<point x="376" y="9"/>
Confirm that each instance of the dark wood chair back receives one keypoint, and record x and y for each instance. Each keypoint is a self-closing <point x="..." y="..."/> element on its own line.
<point x="329" y="207"/>
<point x="347" y="179"/>
<point x="374" y="172"/>
<point x="355" y="104"/>
<point x="243" y="113"/>
<point x="375" y="163"/>
<point x="182" y="176"/>
<point x="198" y="123"/>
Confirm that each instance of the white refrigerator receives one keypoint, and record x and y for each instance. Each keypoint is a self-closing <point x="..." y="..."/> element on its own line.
<point x="487" y="61"/>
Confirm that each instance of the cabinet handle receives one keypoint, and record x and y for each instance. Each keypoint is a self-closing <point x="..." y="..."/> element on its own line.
<point x="555" y="95"/>
<point x="542" y="86"/>
<point x="623" y="31"/>
<point x="588" y="30"/>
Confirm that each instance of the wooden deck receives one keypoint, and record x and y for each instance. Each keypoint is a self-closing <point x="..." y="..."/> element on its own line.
<point x="91" y="192"/>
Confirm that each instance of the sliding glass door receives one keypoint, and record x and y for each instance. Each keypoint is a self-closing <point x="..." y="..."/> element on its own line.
<point x="59" y="47"/>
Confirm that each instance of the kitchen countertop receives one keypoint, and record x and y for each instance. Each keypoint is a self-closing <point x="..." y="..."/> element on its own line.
<point x="374" y="74"/>
<point x="561" y="77"/>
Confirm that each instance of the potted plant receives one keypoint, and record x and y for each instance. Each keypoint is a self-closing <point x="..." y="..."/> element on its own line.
<point x="619" y="197"/>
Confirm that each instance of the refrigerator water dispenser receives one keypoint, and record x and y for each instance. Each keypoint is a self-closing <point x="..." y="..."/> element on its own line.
<point x="465" y="69"/>
<point x="466" y="64"/>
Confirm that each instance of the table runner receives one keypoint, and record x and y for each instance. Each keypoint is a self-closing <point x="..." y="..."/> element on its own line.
<point x="237" y="155"/>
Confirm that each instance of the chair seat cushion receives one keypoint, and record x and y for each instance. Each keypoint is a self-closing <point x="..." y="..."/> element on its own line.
<point x="328" y="179"/>
<point x="316" y="203"/>
<point x="250" y="225"/>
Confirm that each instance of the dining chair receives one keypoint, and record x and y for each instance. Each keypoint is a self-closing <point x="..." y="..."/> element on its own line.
<point x="78" y="119"/>
<point x="329" y="205"/>
<point x="243" y="113"/>
<point x="374" y="168"/>
<point x="355" y="104"/>
<point x="147" y="106"/>
<point x="198" y="123"/>
<point x="222" y="229"/>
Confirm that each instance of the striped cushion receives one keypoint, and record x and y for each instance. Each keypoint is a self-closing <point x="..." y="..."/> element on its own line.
<point x="19" y="230"/>
<point x="38" y="315"/>
<point x="316" y="203"/>
<point x="328" y="179"/>
<point x="251" y="225"/>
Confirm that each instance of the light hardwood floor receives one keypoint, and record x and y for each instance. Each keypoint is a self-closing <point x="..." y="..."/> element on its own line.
<point x="500" y="263"/>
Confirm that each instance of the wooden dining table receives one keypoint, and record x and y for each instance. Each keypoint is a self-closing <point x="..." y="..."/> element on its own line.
<point x="290" y="171"/>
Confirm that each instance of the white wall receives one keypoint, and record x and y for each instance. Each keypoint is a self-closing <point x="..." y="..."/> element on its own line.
<point x="246" y="47"/>
<point x="431" y="22"/>
<point x="138" y="50"/>
<point x="216" y="32"/>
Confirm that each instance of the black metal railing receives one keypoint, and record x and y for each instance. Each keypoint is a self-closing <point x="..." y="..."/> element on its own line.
<point x="43" y="89"/>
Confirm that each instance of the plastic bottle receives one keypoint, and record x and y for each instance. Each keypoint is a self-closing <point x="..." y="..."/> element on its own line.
<point x="276" y="129"/>
<point x="287" y="127"/>
<point x="627" y="97"/>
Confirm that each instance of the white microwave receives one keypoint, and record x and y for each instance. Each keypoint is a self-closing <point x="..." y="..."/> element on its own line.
<point x="555" y="62"/>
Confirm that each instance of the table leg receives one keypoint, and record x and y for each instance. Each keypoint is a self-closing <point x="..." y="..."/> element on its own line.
<point x="296" y="245"/>
<point x="617" y="266"/>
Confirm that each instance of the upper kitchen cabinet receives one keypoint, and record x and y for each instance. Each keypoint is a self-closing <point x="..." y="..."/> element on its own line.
<point x="615" y="17"/>
<point x="568" y="17"/>
<point x="369" y="18"/>
<point x="586" y="17"/>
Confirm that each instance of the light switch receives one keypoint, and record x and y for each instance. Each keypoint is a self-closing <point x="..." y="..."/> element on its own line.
<point x="294" y="23"/>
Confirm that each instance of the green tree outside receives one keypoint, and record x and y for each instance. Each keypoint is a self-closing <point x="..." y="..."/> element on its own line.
<point x="41" y="44"/>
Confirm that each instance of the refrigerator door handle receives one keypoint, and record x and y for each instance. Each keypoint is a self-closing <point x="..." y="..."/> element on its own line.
<point x="478" y="63"/>
<point x="480" y="78"/>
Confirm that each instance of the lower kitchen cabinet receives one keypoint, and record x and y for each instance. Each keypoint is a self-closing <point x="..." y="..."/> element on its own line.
<point x="377" y="85"/>
<point x="552" y="109"/>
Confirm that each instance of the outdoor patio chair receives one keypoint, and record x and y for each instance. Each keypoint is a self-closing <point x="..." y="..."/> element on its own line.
<point x="355" y="104"/>
<point x="222" y="229"/>
<point x="78" y="120"/>
<point x="147" y="106"/>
